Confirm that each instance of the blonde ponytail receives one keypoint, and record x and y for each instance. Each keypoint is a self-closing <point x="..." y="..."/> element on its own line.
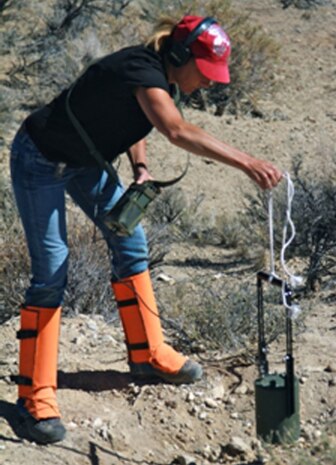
<point x="162" y="30"/>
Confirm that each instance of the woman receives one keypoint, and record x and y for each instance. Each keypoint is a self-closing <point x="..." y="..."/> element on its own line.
<point x="117" y="100"/>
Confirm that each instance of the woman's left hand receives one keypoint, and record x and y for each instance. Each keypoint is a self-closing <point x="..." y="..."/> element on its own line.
<point x="141" y="173"/>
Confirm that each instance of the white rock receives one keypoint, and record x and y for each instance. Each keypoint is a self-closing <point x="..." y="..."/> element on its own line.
<point x="218" y="391"/>
<point x="92" y="325"/>
<point x="165" y="278"/>
<point x="202" y="415"/>
<point x="317" y="434"/>
<point x="242" y="389"/>
<point x="97" y="423"/>
<point x="72" y="425"/>
<point x="237" y="446"/>
<point x="185" y="460"/>
<point x="211" y="403"/>
<point x="190" y="397"/>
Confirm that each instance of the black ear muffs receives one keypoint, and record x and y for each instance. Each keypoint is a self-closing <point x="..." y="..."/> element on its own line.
<point x="179" y="53"/>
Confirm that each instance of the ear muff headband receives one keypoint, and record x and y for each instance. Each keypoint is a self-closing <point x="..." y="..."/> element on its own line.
<point x="179" y="52"/>
<point x="199" y="29"/>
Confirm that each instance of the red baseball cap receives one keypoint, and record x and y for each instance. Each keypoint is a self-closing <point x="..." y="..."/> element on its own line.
<point x="211" y="49"/>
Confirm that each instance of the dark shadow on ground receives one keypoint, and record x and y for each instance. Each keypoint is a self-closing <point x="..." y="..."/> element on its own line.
<point x="228" y="266"/>
<point x="94" y="381"/>
<point x="98" y="381"/>
<point x="96" y="448"/>
<point x="10" y="413"/>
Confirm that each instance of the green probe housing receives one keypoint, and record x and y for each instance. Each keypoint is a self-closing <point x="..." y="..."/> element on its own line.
<point x="276" y="395"/>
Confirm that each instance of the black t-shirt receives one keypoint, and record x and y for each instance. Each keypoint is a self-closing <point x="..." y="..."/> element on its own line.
<point x="104" y="103"/>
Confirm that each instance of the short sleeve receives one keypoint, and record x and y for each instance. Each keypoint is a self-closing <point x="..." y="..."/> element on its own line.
<point x="142" y="67"/>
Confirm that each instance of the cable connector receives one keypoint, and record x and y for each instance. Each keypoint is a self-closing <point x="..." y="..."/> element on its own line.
<point x="294" y="311"/>
<point x="296" y="281"/>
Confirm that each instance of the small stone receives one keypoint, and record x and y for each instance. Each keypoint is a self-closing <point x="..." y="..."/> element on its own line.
<point x="108" y="338"/>
<point x="165" y="278"/>
<point x="105" y="433"/>
<point x="256" y="444"/>
<point x="242" y="389"/>
<point x="332" y="381"/>
<point x="218" y="275"/>
<point x="231" y="400"/>
<point x="317" y="434"/>
<point x="182" y="438"/>
<point x="194" y="410"/>
<point x="78" y="340"/>
<point x="134" y="389"/>
<point x="171" y="404"/>
<point x="97" y="423"/>
<point x="184" y="460"/>
<point x="72" y="425"/>
<point x="237" y="446"/>
<point x="202" y="416"/>
<point x="211" y="403"/>
<point x="92" y="325"/>
<point x="190" y="397"/>
<point x="218" y="391"/>
<point x="330" y="368"/>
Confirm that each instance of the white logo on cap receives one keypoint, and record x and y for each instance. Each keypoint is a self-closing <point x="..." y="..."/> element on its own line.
<point x="221" y="41"/>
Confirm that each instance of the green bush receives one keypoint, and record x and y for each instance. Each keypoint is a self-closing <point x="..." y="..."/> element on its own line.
<point x="220" y="313"/>
<point x="72" y="33"/>
<point x="303" y="4"/>
<point x="14" y="270"/>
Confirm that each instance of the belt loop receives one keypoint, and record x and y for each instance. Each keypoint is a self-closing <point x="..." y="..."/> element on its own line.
<point x="60" y="167"/>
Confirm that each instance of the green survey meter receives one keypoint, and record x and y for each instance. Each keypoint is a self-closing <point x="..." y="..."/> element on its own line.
<point x="131" y="207"/>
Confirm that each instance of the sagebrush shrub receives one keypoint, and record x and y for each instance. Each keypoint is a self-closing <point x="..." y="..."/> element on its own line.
<point x="64" y="36"/>
<point x="302" y="4"/>
<point x="221" y="313"/>
<point x="314" y="217"/>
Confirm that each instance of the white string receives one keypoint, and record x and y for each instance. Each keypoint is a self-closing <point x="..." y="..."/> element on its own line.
<point x="293" y="279"/>
<point x="270" y="231"/>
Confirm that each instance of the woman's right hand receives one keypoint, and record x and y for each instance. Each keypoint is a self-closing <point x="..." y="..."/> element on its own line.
<point x="264" y="173"/>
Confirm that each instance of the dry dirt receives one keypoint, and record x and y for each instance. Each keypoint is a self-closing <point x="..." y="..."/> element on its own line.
<point x="110" y="419"/>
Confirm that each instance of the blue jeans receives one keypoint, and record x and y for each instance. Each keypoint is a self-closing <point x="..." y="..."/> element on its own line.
<point x="39" y="187"/>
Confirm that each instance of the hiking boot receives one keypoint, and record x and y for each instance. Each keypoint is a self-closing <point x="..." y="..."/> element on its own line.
<point x="189" y="373"/>
<point x="46" y="431"/>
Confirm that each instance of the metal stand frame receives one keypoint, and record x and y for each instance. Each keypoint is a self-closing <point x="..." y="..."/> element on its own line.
<point x="263" y="276"/>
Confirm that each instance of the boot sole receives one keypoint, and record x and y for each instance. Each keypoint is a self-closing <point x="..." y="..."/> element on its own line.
<point x="189" y="373"/>
<point x="46" y="431"/>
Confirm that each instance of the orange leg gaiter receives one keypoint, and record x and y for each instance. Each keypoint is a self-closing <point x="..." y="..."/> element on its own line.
<point x="142" y="326"/>
<point x="37" y="378"/>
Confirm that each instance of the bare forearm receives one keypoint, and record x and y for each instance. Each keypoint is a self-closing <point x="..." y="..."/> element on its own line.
<point x="194" y="139"/>
<point x="137" y="153"/>
<point x="199" y="142"/>
<point x="161" y="111"/>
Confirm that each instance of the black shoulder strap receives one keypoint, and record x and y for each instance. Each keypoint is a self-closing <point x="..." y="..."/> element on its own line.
<point x="98" y="156"/>
<point x="86" y="139"/>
